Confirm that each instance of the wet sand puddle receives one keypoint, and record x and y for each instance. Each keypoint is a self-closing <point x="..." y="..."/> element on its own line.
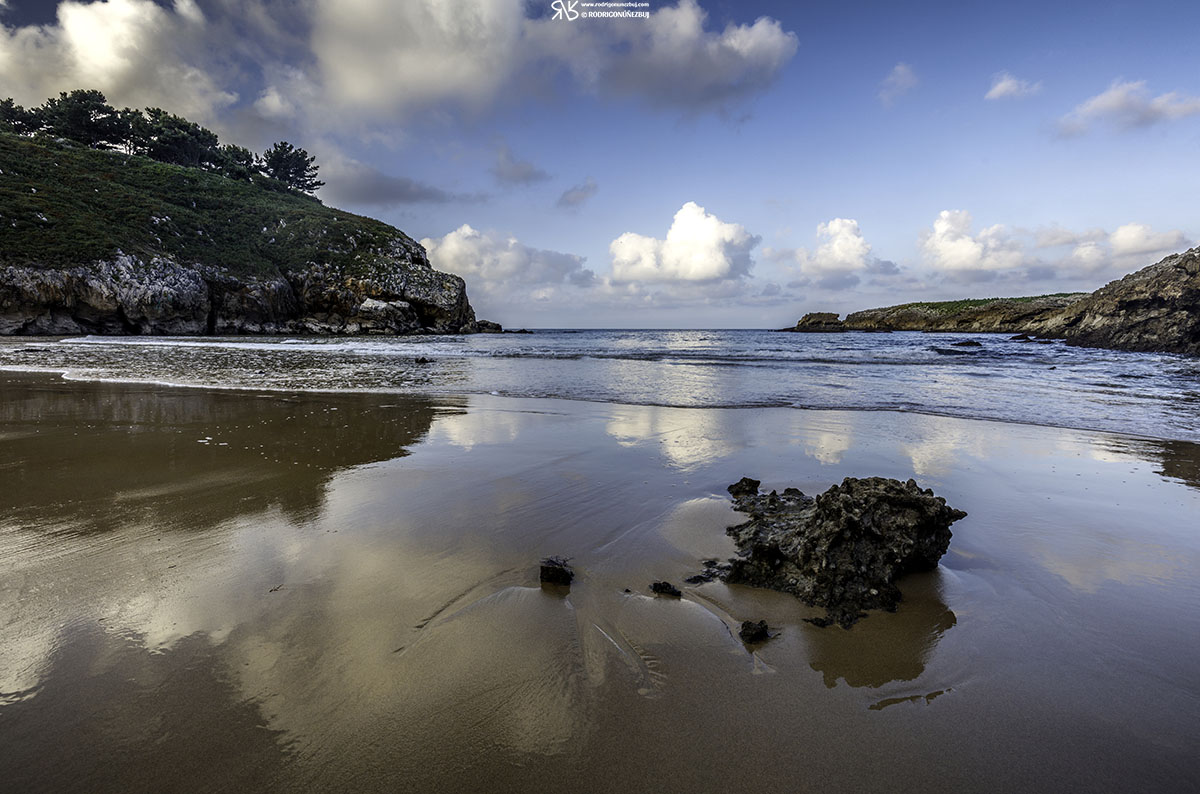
<point x="210" y="591"/>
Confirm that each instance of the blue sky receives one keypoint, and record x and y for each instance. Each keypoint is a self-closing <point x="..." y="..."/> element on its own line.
<point x="718" y="164"/>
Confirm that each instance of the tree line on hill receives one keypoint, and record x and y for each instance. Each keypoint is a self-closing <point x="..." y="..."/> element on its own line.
<point x="84" y="116"/>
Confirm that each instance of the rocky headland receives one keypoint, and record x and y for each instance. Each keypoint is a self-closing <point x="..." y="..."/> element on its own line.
<point x="99" y="242"/>
<point x="1155" y="309"/>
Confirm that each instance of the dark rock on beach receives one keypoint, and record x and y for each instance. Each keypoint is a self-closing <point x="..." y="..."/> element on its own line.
<point x="744" y="487"/>
<point x="555" y="570"/>
<point x="844" y="549"/>
<point x="752" y="632"/>
<point x="665" y="588"/>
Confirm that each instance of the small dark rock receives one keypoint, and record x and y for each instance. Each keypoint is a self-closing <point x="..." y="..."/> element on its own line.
<point x="967" y="343"/>
<point x="752" y="631"/>
<point x="946" y="351"/>
<point x="665" y="588"/>
<point x="556" y="571"/>
<point x="699" y="578"/>
<point x="423" y="360"/>
<point x="1020" y="338"/>
<point x="744" y="487"/>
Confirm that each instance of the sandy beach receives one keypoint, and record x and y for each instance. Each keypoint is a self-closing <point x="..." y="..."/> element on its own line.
<point x="219" y="590"/>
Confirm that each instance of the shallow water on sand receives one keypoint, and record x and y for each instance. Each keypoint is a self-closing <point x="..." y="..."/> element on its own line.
<point x="208" y="591"/>
<point x="1045" y="383"/>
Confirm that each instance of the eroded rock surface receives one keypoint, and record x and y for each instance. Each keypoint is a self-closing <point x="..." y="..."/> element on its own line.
<point x="130" y="295"/>
<point x="844" y="549"/>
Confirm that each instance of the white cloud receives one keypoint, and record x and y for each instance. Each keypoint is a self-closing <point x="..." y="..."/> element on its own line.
<point x="899" y="82"/>
<point x="952" y="248"/>
<point x="698" y="247"/>
<point x="374" y="57"/>
<point x="1128" y="104"/>
<point x="670" y="60"/>
<point x="1136" y="238"/>
<point x="842" y="256"/>
<point x="492" y="262"/>
<point x="1005" y="86"/>
<point x="135" y="51"/>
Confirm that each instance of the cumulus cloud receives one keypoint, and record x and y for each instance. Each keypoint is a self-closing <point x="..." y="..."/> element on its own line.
<point x="1137" y="238"/>
<point x="699" y="247"/>
<point x="1005" y="86"/>
<point x="840" y="260"/>
<point x="952" y="248"/>
<point x="510" y="170"/>
<point x="139" y="53"/>
<point x="1128" y="104"/>
<point x="669" y="60"/>
<point x="503" y="264"/>
<point x="578" y="194"/>
<point x="354" y="63"/>
<point x="899" y="82"/>
<point x="349" y="181"/>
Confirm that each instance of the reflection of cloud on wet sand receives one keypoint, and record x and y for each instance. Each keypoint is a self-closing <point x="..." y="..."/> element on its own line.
<point x="687" y="438"/>
<point x="827" y="447"/>
<point x="478" y="428"/>
<point x="1088" y="558"/>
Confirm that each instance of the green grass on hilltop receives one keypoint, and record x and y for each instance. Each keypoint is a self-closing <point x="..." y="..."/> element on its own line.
<point x="62" y="204"/>
<point x="946" y="308"/>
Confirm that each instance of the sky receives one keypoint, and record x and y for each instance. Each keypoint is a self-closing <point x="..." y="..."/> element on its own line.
<point x="710" y="164"/>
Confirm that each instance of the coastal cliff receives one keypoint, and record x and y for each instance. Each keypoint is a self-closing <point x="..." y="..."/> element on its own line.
<point x="95" y="241"/>
<point x="1155" y="309"/>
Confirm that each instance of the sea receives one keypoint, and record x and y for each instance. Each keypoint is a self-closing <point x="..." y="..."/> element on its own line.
<point x="976" y="376"/>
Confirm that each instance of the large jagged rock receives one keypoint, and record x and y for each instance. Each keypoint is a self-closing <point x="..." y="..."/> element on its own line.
<point x="844" y="549"/>
<point x="1155" y="309"/>
<point x="127" y="295"/>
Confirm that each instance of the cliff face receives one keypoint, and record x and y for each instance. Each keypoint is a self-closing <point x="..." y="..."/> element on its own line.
<point x="126" y="295"/>
<point x="102" y="243"/>
<point x="1154" y="309"/>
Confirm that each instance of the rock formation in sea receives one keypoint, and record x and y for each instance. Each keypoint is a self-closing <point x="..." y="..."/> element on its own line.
<point x="995" y="315"/>
<point x="1155" y="309"/>
<point x="842" y="550"/>
<point x="817" y="322"/>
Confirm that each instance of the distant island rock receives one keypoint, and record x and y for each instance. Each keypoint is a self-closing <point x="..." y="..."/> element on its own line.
<point x="1156" y="309"/>
<point x="99" y="242"/>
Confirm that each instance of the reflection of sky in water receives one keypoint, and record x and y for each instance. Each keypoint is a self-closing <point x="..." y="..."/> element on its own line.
<point x="399" y="604"/>
<point x="1147" y="394"/>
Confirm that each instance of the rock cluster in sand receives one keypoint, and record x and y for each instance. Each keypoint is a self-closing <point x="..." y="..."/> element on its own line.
<point x="842" y="550"/>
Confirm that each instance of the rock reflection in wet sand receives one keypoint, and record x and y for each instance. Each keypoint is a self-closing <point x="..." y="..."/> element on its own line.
<point x="345" y="597"/>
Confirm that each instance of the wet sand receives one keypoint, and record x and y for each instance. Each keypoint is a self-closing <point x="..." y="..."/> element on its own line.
<point x="218" y="591"/>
